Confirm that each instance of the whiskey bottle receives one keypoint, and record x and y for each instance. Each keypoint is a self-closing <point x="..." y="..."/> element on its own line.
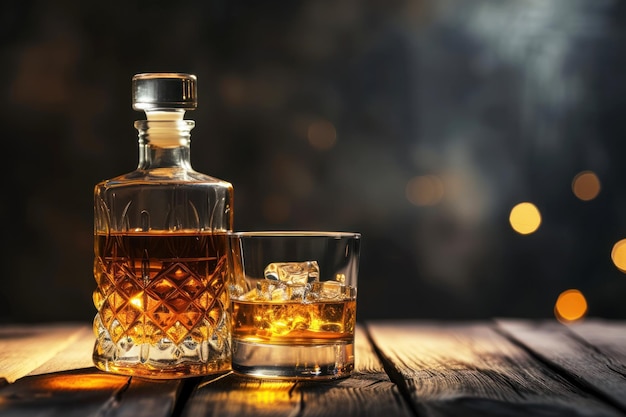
<point x="160" y="248"/>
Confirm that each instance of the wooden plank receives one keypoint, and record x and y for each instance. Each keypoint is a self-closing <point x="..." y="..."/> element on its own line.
<point x="75" y="355"/>
<point x="144" y="398"/>
<point x="368" y="392"/>
<point x="471" y="370"/>
<point x="237" y="396"/>
<point x="593" y="353"/>
<point x="86" y="392"/>
<point x="62" y="380"/>
<point x="25" y="348"/>
<point x="66" y="394"/>
<point x="608" y="336"/>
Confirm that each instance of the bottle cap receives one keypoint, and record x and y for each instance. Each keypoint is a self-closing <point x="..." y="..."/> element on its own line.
<point x="164" y="90"/>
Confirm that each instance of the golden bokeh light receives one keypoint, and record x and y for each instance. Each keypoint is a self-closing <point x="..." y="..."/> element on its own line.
<point x="424" y="190"/>
<point x="322" y="135"/>
<point x="586" y="185"/>
<point x="525" y="218"/>
<point x="618" y="255"/>
<point x="570" y="306"/>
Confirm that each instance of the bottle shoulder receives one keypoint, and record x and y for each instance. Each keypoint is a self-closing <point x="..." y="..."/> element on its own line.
<point x="161" y="177"/>
<point x="145" y="200"/>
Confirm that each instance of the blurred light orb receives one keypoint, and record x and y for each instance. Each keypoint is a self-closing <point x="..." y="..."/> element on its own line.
<point x="618" y="255"/>
<point x="322" y="135"/>
<point x="525" y="218"/>
<point x="586" y="185"/>
<point x="424" y="190"/>
<point x="570" y="306"/>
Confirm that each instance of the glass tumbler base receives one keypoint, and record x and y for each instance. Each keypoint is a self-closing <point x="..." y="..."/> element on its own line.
<point x="315" y="361"/>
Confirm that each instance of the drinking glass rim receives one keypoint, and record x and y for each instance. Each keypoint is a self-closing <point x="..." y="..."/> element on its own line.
<point x="296" y="233"/>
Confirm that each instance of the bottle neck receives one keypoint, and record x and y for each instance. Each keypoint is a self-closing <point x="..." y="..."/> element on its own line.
<point x="164" y="144"/>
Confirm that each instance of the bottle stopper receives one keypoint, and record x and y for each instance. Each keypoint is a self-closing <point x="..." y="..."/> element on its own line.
<point x="164" y="91"/>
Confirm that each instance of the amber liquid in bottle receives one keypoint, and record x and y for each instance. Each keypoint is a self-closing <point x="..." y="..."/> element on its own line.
<point x="160" y="249"/>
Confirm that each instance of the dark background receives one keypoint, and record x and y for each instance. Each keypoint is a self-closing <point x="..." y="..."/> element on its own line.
<point x="504" y="101"/>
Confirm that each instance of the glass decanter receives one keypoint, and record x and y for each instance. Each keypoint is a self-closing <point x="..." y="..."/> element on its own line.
<point x="160" y="248"/>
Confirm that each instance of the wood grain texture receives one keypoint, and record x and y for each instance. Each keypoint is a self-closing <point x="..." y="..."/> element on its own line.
<point x="368" y="392"/>
<point x="607" y="336"/>
<point x="75" y="355"/>
<point x="238" y="396"/>
<point x="144" y="398"/>
<point x="62" y="381"/>
<point x="84" y="393"/>
<point x="593" y="353"/>
<point x="63" y="394"/>
<point x="471" y="370"/>
<point x="25" y="348"/>
<point x="500" y="368"/>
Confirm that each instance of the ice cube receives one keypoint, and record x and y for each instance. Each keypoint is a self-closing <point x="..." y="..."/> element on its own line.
<point x="349" y="293"/>
<point x="251" y="295"/>
<point x="293" y="272"/>
<point x="326" y="290"/>
<point x="236" y="291"/>
<point x="271" y="290"/>
<point x="296" y="292"/>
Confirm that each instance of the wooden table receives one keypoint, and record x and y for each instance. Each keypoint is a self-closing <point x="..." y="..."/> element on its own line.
<point x="403" y="368"/>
